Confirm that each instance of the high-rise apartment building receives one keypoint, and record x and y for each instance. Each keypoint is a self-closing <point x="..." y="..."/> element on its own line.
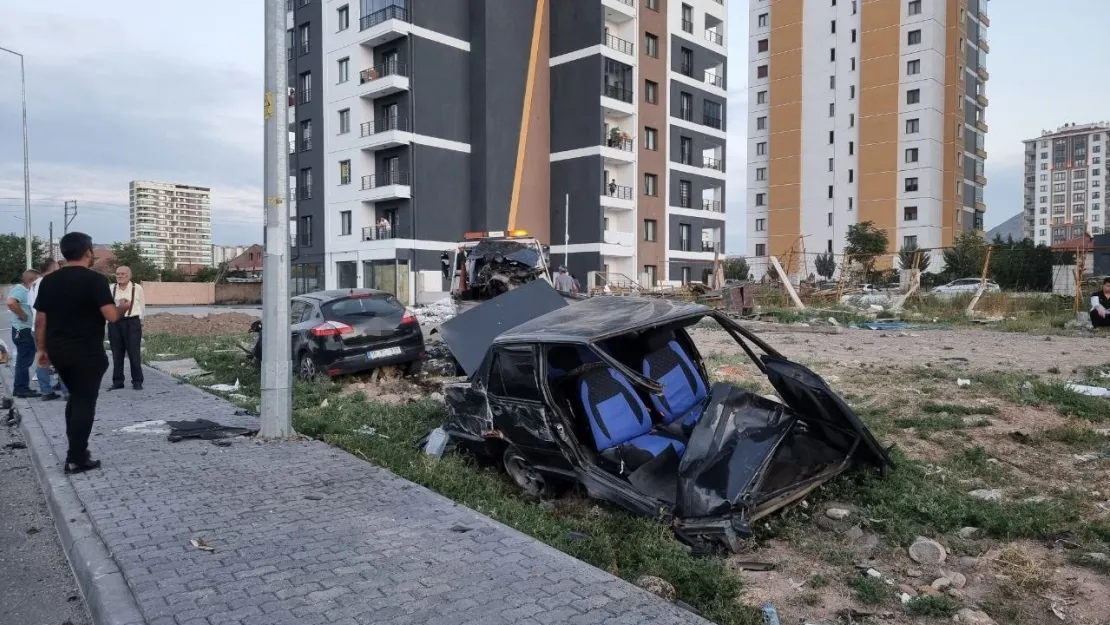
<point x="417" y="121"/>
<point x="171" y="222"/>
<point x="1064" y="181"/>
<point x="865" y="110"/>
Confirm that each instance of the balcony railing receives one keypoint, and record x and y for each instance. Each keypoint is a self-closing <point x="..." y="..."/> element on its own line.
<point x="383" y="124"/>
<point x="288" y="5"/>
<point x="391" y="12"/>
<point x="716" y="80"/>
<point x="686" y="114"/>
<point x="381" y="70"/>
<point x="687" y="26"/>
<point x="713" y="206"/>
<point x="618" y="44"/>
<point x="617" y="191"/>
<point x="373" y="181"/>
<point x="684" y="245"/>
<point x="617" y="142"/>
<point x="288" y="53"/>
<point x="713" y="163"/>
<point x="712" y="122"/>
<point x="618" y="93"/>
<point x="710" y="246"/>
<point x="378" y="233"/>
<point x="304" y="48"/>
<point x="715" y="37"/>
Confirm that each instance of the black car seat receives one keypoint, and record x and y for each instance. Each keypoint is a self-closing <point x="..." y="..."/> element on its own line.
<point x="684" y="391"/>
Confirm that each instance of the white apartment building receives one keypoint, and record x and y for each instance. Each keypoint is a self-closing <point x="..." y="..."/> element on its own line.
<point x="1065" y="178"/>
<point x="171" y="221"/>
<point x="226" y="253"/>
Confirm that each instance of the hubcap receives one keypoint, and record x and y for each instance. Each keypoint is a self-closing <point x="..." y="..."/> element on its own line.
<point x="524" y="475"/>
<point x="308" y="368"/>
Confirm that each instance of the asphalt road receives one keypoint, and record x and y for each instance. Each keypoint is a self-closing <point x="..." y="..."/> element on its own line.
<point x="36" y="584"/>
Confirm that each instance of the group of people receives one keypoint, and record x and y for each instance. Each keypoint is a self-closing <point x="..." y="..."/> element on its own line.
<point x="58" y="316"/>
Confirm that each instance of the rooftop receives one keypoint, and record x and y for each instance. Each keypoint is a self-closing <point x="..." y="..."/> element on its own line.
<point x="1073" y="128"/>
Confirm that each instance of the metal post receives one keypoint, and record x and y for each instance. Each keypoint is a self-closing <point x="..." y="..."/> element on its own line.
<point x="26" y="160"/>
<point x="277" y="388"/>
<point x="566" y="231"/>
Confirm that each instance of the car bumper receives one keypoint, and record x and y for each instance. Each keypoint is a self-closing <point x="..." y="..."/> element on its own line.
<point x="355" y="360"/>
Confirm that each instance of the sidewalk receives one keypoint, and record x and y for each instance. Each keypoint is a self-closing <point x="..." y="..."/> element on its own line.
<point x="303" y="533"/>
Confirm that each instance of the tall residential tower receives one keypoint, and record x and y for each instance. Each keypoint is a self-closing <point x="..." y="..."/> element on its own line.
<point x="171" y="222"/>
<point x="1064" y="181"/>
<point x="421" y="120"/>
<point x="865" y="110"/>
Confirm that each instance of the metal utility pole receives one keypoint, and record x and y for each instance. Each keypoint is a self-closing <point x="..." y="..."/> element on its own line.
<point x="277" y="387"/>
<point x="70" y="215"/>
<point x="26" y="160"/>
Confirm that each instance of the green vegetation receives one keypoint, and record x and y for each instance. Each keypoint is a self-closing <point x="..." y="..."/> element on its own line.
<point x="870" y="590"/>
<point x="957" y="409"/>
<point x="940" y="607"/>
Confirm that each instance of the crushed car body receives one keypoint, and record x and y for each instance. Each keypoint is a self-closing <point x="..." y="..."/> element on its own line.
<point x="610" y="393"/>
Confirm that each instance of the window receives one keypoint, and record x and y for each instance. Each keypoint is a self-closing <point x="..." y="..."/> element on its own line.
<point x="687" y="18"/>
<point x="649" y="229"/>
<point x="760" y="199"/>
<point x="651" y="136"/>
<point x="761" y="123"/>
<point x="306" y="135"/>
<point x="343" y="17"/>
<point x="652" y="4"/>
<point x="761" y="97"/>
<point x="763" y="45"/>
<point x="832" y="27"/>
<point x="913" y="67"/>
<point x="344" y="69"/>
<point x="761" y="148"/>
<point x="344" y="223"/>
<point x="912" y="126"/>
<point x="832" y="109"/>
<point x="915" y="7"/>
<point x="304" y="94"/>
<point x="830" y="219"/>
<point x="685" y="150"/>
<point x="853" y="35"/>
<point x="651" y="185"/>
<point x="832" y="82"/>
<point x="305" y="38"/>
<point x="832" y="54"/>
<point x="852" y="92"/>
<point x="909" y="213"/>
<point x="512" y="374"/>
<point x="853" y="64"/>
<point x="909" y="241"/>
<point x="913" y="96"/>
<point x="651" y="92"/>
<point x="685" y="193"/>
<point x="913" y="37"/>
<point x="684" y="237"/>
<point x="649" y="273"/>
<point x="305" y="231"/>
<point x="304" y="185"/>
<point x="831" y="163"/>
<point x="760" y="249"/>
<point x="686" y="106"/>
<point x="851" y="175"/>
<point x="760" y="173"/>
<point x="761" y="225"/>
<point x="344" y="121"/>
<point x="651" y="45"/>
<point x="832" y="137"/>
<point x="830" y="192"/>
<point x="851" y="202"/>
<point x="851" y="148"/>
<point x="760" y="72"/>
<point x="911" y="184"/>
<point x="345" y="172"/>
<point x="762" y="20"/>
<point x="851" y="120"/>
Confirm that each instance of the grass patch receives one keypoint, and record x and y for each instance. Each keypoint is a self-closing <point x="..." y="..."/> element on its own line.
<point x="819" y="581"/>
<point x="938" y="607"/>
<point x="1075" y="435"/>
<point x="618" y="542"/>
<point x="1092" y="561"/>
<point x="932" y="423"/>
<point x="930" y="407"/>
<point x="870" y="590"/>
<point x="1030" y="391"/>
<point x="811" y="599"/>
<point x="976" y="462"/>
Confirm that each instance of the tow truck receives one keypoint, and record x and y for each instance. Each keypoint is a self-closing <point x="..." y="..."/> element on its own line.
<point x="487" y="264"/>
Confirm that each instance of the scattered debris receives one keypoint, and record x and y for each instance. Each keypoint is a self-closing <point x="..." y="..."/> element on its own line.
<point x="752" y="565"/>
<point x="963" y="382"/>
<point x="905" y="598"/>
<point x="204" y="429"/>
<point x="313" y="497"/>
<point x="225" y="388"/>
<point x="367" y="430"/>
<point x="435" y="313"/>
<point x="987" y="494"/>
<point x="461" y="529"/>
<point x="184" y="368"/>
<point x="437" y="443"/>
<point x="16" y="444"/>
<point x="657" y="586"/>
<point x="837" y="514"/>
<point x="31" y="531"/>
<point x="927" y="551"/>
<point x="1083" y="389"/>
<point x="200" y="543"/>
<point x="875" y="574"/>
<point x="967" y="532"/>
<point x="973" y="617"/>
<point x="576" y="536"/>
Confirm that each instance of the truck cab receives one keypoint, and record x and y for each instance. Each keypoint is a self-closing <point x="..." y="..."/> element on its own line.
<point x="487" y="264"/>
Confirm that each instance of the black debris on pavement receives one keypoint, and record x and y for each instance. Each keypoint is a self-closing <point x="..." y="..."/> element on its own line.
<point x="203" y="429"/>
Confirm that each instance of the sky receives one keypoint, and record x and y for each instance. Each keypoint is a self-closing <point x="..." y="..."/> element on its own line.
<point x="173" y="91"/>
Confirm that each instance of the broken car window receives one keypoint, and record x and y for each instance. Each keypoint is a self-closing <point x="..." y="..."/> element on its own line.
<point x="296" y="311"/>
<point x="513" y="374"/>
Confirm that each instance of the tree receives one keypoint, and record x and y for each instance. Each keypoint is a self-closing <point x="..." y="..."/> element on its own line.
<point x="735" y="268"/>
<point x="906" y="258"/>
<point x="865" y="244"/>
<point x="206" y="274"/>
<point x="966" y="256"/>
<point x="13" y="257"/>
<point x="170" y="261"/>
<point x="825" y="265"/>
<point x="129" y="254"/>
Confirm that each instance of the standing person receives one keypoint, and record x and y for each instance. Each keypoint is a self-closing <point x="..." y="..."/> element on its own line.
<point x="563" y="281"/>
<point x="43" y="373"/>
<point x="72" y="305"/>
<point x="1100" y="306"/>
<point x="126" y="335"/>
<point x="23" y="339"/>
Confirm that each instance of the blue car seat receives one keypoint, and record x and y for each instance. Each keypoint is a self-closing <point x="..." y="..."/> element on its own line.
<point x="683" y="398"/>
<point x="619" y="420"/>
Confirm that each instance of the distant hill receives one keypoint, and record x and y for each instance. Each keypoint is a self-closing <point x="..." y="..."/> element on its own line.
<point x="1011" y="227"/>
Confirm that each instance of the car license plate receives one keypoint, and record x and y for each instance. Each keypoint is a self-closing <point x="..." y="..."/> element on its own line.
<point x="383" y="353"/>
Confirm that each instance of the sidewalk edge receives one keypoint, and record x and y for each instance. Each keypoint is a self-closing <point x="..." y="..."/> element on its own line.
<point x="108" y="598"/>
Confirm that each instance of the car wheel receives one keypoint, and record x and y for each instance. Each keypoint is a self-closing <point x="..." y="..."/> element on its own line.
<point x="306" y="367"/>
<point x="520" y="469"/>
<point x="414" y="367"/>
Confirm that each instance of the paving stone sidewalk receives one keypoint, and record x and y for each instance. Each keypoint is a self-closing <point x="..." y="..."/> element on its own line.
<point x="305" y="533"/>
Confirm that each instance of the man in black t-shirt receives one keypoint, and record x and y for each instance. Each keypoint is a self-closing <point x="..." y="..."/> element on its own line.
<point x="72" y="305"/>
<point x="1100" y="306"/>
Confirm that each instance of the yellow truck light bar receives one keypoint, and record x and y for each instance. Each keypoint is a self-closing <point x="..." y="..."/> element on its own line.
<point x="495" y="234"/>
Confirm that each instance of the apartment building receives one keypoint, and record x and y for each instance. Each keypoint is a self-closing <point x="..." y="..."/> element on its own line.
<point x="1064" y="181"/>
<point x="422" y="120"/>
<point x="171" y="222"/>
<point x="865" y="110"/>
<point x="226" y="253"/>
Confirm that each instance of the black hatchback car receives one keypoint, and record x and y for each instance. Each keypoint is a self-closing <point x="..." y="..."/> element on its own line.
<point x="350" y="330"/>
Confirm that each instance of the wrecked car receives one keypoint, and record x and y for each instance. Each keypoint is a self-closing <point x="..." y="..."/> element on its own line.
<point x="611" y="395"/>
<point x="487" y="264"/>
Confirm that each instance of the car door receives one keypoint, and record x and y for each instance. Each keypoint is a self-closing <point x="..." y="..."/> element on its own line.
<point x="516" y="405"/>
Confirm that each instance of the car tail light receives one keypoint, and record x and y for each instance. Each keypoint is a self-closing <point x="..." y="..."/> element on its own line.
<point x="410" y="317"/>
<point x="331" y="328"/>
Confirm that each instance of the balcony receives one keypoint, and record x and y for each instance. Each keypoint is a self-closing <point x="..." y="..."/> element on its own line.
<point x="385" y="132"/>
<point x="983" y="17"/>
<point x="617" y="243"/>
<point x="378" y="233"/>
<point x="383" y="25"/>
<point x="619" y="11"/>
<point x="618" y="148"/>
<point x="389" y="185"/>
<point x="980" y="179"/>
<point x="980" y="152"/>
<point x="983" y="73"/>
<point x="982" y="100"/>
<point x="713" y="206"/>
<point x="711" y="246"/>
<point x="620" y="45"/>
<point x="688" y="26"/>
<point x="983" y="45"/>
<point x="383" y="79"/>
<point x="713" y="36"/>
<point x="617" y="101"/>
<point x="617" y="196"/>
<point x="618" y="93"/>
<point x="713" y="163"/>
<point x="711" y="121"/>
<point x="981" y="125"/>
<point x="715" y="79"/>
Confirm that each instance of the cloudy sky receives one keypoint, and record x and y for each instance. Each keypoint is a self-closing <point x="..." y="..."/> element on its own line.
<point x="172" y="91"/>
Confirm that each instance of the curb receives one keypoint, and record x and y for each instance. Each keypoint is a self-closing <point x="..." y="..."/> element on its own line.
<point x="108" y="598"/>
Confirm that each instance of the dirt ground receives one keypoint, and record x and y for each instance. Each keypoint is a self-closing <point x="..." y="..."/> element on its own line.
<point x="198" y="325"/>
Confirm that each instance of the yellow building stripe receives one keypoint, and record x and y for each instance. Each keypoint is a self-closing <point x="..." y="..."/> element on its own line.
<point x="529" y="87"/>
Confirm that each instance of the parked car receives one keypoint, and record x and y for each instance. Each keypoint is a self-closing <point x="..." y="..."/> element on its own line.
<point x="612" y="395"/>
<point x="350" y="330"/>
<point x="966" y="285"/>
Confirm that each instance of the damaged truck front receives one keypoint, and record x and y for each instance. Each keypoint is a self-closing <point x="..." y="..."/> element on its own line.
<point x="488" y="264"/>
<point x="612" y="395"/>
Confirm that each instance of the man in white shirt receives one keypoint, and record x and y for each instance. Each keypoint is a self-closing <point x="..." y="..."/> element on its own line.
<point x="1100" y="306"/>
<point x="126" y="335"/>
<point x="43" y="374"/>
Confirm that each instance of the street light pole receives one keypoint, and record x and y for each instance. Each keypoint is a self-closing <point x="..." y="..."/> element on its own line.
<point x="277" y="387"/>
<point x="26" y="160"/>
